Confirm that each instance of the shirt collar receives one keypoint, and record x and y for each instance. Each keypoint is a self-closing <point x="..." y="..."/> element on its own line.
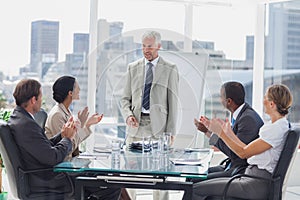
<point x="31" y="115"/>
<point x="237" y="111"/>
<point x="64" y="109"/>
<point x="154" y="62"/>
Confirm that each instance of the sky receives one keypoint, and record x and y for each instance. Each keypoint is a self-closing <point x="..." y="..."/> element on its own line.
<point x="227" y="26"/>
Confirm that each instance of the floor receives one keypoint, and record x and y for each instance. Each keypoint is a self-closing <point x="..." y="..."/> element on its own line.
<point x="292" y="193"/>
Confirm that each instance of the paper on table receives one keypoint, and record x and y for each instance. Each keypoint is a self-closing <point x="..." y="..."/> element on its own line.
<point x="105" y="150"/>
<point x="186" y="161"/>
<point x="102" y="150"/>
<point x="92" y="155"/>
<point x="196" y="150"/>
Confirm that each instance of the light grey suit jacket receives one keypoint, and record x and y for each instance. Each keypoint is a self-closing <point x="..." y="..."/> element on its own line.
<point x="163" y="96"/>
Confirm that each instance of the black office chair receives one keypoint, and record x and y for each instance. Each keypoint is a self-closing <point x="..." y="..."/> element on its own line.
<point x="41" y="117"/>
<point x="237" y="170"/>
<point x="278" y="176"/>
<point x="17" y="176"/>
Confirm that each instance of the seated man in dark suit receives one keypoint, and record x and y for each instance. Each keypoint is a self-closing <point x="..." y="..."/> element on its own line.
<point x="37" y="150"/>
<point x="245" y="124"/>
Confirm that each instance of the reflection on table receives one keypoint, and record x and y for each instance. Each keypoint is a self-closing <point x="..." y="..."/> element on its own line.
<point x="176" y="162"/>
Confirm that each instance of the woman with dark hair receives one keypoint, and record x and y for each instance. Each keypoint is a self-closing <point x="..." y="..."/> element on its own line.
<point x="65" y="90"/>
<point x="262" y="154"/>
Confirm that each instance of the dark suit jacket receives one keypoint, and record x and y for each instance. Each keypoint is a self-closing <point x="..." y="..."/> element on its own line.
<point x="246" y="127"/>
<point x="39" y="152"/>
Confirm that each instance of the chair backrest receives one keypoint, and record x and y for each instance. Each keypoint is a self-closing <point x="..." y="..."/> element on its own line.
<point x="41" y="117"/>
<point x="283" y="164"/>
<point x="11" y="157"/>
<point x="18" y="178"/>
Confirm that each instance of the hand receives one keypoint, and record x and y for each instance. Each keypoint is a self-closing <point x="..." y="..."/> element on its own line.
<point x="83" y="115"/>
<point x="77" y="123"/>
<point x="214" y="125"/>
<point x="227" y="127"/>
<point x="94" y="119"/>
<point x="201" y="127"/>
<point x="132" y="122"/>
<point x="69" y="129"/>
<point x="172" y="140"/>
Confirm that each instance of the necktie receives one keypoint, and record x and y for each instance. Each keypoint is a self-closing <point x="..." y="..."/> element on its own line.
<point x="147" y="88"/>
<point x="232" y="122"/>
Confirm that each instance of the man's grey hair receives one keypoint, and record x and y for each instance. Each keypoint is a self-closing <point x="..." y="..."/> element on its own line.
<point x="152" y="34"/>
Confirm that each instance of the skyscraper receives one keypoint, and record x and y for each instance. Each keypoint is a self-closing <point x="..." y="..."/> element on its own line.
<point x="283" y="41"/>
<point x="115" y="28"/>
<point x="249" y="48"/>
<point x="76" y="65"/>
<point x="44" y="44"/>
<point x="249" y="51"/>
<point x="81" y="43"/>
<point x="110" y="42"/>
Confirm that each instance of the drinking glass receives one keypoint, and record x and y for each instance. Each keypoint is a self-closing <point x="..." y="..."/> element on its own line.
<point x="115" y="153"/>
<point x="155" y="149"/>
<point x="146" y="144"/>
<point x="165" y="142"/>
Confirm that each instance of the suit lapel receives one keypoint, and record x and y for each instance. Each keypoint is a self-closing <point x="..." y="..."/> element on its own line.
<point x="140" y="76"/>
<point x="159" y="70"/>
<point x="239" y="115"/>
<point x="243" y="110"/>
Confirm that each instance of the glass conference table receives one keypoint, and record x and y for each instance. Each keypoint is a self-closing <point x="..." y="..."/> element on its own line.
<point x="138" y="170"/>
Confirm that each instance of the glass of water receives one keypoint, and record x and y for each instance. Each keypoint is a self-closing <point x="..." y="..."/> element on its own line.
<point x="146" y="144"/>
<point x="165" y="142"/>
<point x="155" y="149"/>
<point x="115" y="153"/>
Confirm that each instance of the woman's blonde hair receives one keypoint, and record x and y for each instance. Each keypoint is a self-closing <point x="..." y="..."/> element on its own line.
<point x="280" y="94"/>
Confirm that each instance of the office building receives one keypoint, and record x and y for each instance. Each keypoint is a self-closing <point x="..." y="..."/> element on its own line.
<point x="196" y="44"/>
<point x="249" y="50"/>
<point x="115" y="28"/>
<point x="102" y="32"/>
<point x="76" y="65"/>
<point x="283" y="39"/>
<point x="81" y="43"/>
<point x="110" y="43"/>
<point x="44" y="43"/>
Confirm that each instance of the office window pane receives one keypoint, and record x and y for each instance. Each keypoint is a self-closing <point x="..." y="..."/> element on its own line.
<point x="282" y="50"/>
<point x="221" y="31"/>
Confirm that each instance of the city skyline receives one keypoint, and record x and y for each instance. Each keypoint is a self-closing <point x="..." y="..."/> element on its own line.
<point x="74" y="18"/>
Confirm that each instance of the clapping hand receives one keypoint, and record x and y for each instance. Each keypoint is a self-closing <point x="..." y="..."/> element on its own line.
<point x="69" y="129"/>
<point x="214" y="125"/>
<point x="201" y="127"/>
<point x="94" y="119"/>
<point x="227" y="127"/>
<point x="83" y="116"/>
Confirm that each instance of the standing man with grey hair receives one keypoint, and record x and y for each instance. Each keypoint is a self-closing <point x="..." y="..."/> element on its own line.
<point x="149" y="101"/>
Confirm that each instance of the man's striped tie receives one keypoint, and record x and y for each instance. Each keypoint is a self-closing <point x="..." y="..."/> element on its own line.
<point x="148" y="83"/>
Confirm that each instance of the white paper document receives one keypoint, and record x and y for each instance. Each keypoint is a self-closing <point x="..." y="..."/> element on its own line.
<point x="186" y="161"/>
<point x="93" y="156"/>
